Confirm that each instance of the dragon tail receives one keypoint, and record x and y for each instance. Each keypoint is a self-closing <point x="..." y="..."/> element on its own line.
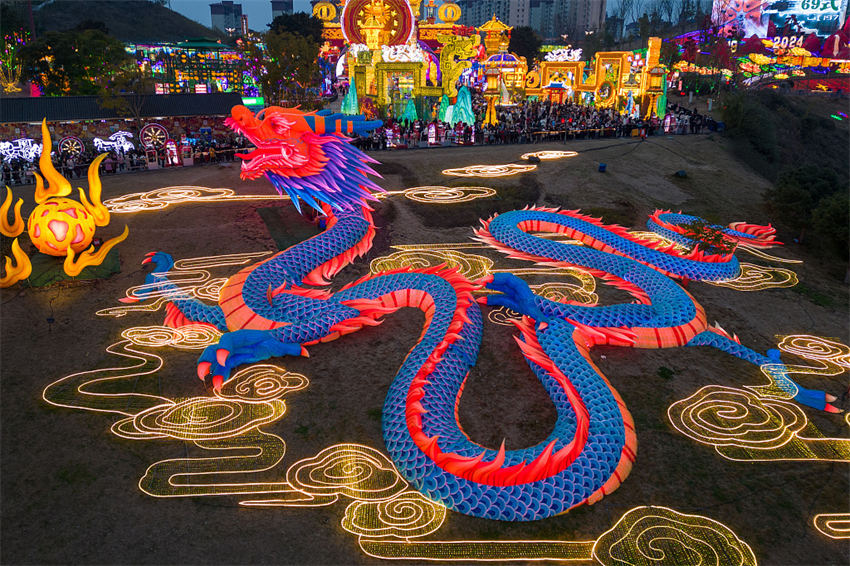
<point x="182" y="308"/>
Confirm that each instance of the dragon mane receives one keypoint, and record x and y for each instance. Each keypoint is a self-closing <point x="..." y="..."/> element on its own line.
<point x="335" y="173"/>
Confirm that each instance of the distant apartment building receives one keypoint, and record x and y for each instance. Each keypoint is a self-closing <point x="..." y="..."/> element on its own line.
<point x="281" y="8"/>
<point x="549" y="18"/>
<point x="574" y="18"/>
<point x="226" y="14"/>
<point x="476" y="12"/>
<point x="512" y="12"/>
<point x="541" y="18"/>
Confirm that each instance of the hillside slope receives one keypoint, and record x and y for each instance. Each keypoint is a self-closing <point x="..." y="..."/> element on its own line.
<point x="128" y="20"/>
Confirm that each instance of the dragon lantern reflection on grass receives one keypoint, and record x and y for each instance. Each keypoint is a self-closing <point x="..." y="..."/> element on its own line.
<point x="58" y="226"/>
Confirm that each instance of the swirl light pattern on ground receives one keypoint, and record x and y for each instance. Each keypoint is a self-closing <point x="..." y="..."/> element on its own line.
<point x="743" y="426"/>
<point x="447" y="195"/>
<point x="549" y="155"/>
<point x="758" y="278"/>
<point x="191" y="276"/>
<point x="238" y="458"/>
<point x="471" y="266"/>
<point x="658" y="535"/>
<point x="168" y="196"/>
<point x="486" y="171"/>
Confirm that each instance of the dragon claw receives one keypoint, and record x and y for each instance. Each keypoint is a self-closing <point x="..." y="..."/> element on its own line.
<point x="147" y="260"/>
<point x="204" y="370"/>
<point x="217" y="381"/>
<point x="304" y="352"/>
<point x="150" y="254"/>
<point x="221" y="356"/>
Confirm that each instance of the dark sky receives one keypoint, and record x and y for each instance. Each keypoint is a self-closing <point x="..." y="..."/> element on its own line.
<point x="259" y="12"/>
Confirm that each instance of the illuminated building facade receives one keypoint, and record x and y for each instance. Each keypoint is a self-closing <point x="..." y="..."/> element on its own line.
<point x="198" y="66"/>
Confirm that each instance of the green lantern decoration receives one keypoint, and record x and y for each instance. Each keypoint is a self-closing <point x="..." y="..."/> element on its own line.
<point x="463" y="108"/>
<point x="444" y="105"/>
<point x="410" y="114"/>
<point x="350" y="105"/>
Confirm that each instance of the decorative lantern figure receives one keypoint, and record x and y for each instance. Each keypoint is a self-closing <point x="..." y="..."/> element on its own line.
<point x="58" y="224"/>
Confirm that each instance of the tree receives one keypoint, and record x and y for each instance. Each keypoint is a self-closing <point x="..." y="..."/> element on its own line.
<point x="591" y="44"/>
<point x="666" y="8"/>
<point x="637" y="8"/>
<point x="669" y="53"/>
<point x="11" y="19"/>
<point x="286" y="69"/>
<point x="76" y="62"/>
<point x="623" y="11"/>
<point x="299" y="23"/>
<point x="525" y="42"/>
<point x="409" y="116"/>
<point x="798" y="192"/>
<point x="831" y="222"/>
<point x="643" y="27"/>
<point x="126" y="92"/>
<point x="463" y="108"/>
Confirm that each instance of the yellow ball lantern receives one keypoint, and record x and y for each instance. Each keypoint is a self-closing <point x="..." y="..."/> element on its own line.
<point x="58" y="224"/>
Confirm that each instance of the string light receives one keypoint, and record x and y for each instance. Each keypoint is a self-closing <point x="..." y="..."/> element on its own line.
<point x="758" y="278"/>
<point x="659" y="535"/>
<point x="490" y="170"/>
<point x="757" y="424"/>
<point x="163" y="198"/>
<point x="384" y="514"/>
<point x="190" y="278"/>
<point x="761" y="254"/>
<point x="549" y="155"/>
<point x="447" y="195"/>
<point x="833" y="525"/>
<point x="471" y="266"/>
<point x="636" y="539"/>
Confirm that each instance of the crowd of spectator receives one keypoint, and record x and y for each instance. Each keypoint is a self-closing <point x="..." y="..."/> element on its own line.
<point x="529" y="122"/>
<point x="18" y="171"/>
<point x="535" y="121"/>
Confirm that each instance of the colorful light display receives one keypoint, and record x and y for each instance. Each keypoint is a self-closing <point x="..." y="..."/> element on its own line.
<point x="118" y="142"/>
<point x="58" y="226"/>
<point x="759" y="423"/>
<point x="23" y="148"/>
<point x="388" y="518"/>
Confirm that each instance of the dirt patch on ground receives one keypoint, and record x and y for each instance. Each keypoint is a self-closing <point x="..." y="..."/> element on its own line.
<point x="69" y="487"/>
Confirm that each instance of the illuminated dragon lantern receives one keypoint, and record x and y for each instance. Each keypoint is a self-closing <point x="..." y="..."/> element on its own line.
<point x="58" y="226"/>
<point x="267" y="310"/>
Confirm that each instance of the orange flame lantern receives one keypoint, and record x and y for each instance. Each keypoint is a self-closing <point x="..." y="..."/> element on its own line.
<point x="58" y="226"/>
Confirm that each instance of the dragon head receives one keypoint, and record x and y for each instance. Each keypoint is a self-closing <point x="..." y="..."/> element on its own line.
<point x="306" y="154"/>
<point x="278" y="138"/>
